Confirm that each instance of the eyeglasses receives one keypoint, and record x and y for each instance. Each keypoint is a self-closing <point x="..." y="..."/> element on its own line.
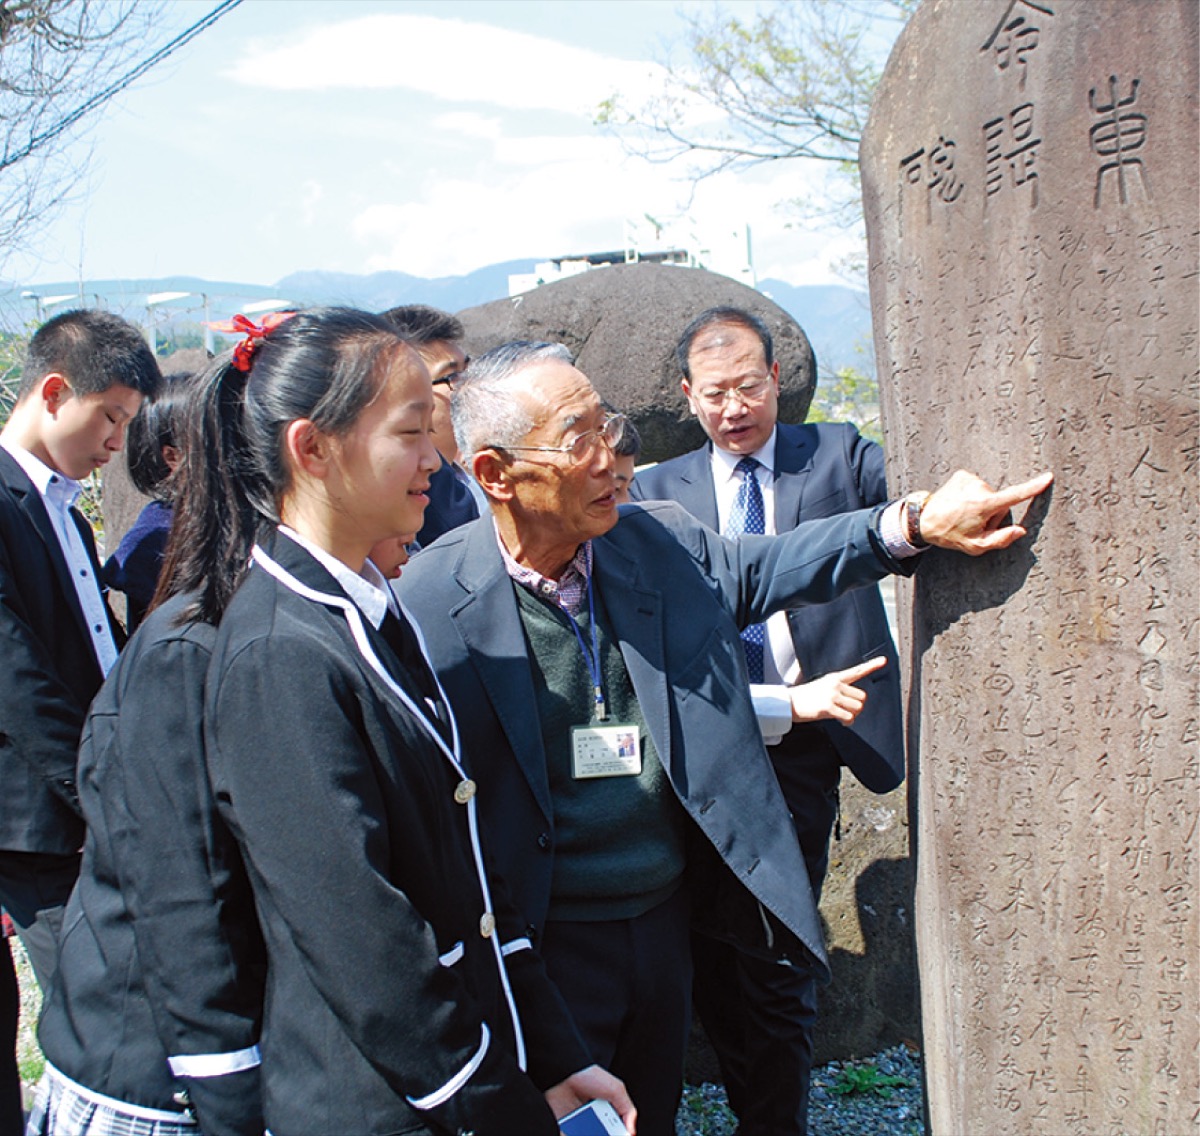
<point x="451" y="380"/>
<point x="583" y="446"/>
<point x="748" y="394"/>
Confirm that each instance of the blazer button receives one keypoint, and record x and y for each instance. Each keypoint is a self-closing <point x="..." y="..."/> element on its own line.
<point x="531" y="932"/>
<point x="543" y="840"/>
<point x="487" y="924"/>
<point x="464" y="791"/>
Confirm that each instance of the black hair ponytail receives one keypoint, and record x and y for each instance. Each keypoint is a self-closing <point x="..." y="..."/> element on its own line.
<point x="325" y="365"/>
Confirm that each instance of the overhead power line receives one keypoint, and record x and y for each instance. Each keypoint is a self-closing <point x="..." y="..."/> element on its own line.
<point x="120" y="84"/>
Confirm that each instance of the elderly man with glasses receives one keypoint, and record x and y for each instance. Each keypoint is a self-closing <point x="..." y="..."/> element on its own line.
<point x="596" y="655"/>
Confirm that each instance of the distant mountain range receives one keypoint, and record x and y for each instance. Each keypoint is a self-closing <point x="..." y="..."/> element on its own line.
<point x="836" y="319"/>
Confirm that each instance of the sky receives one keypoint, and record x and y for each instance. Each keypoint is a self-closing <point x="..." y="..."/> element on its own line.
<point x="431" y="137"/>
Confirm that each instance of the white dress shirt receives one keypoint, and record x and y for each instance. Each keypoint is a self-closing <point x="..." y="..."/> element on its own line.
<point x="781" y="668"/>
<point x="58" y="494"/>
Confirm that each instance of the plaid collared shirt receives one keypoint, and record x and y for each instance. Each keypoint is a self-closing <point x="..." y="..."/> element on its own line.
<point x="569" y="592"/>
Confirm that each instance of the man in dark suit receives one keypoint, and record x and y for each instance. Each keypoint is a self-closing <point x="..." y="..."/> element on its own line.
<point x="568" y="633"/>
<point x="759" y="1017"/>
<point x="83" y="380"/>
<point x="454" y="498"/>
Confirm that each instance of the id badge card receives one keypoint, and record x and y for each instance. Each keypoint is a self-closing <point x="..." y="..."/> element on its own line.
<point x="606" y="751"/>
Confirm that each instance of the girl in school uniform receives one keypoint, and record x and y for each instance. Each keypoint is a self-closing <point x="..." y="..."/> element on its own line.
<point x="402" y="994"/>
<point x="152" y="1025"/>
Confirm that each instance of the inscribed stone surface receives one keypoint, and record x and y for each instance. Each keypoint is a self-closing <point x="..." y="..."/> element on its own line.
<point x="1030" y="179"/>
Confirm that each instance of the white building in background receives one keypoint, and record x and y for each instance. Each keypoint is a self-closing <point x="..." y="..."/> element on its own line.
<point x="728" y="253"/>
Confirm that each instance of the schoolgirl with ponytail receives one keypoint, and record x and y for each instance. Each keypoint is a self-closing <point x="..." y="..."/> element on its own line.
<point x="402" y="993"/>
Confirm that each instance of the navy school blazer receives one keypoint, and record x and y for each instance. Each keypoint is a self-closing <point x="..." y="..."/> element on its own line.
<point x="50" y="673"/>
<point x="161" y="971"/>
<point x="402" y="994"/>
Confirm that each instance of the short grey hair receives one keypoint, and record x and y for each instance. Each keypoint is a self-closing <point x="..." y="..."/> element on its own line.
<point x="483" y="410"/>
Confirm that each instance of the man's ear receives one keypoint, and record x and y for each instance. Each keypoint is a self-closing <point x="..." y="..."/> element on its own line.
<point x="54" y="391"/>
<point x="492" y="473"/>
<point x="775" y="375"/>
<point x="308" y="448"/>
<point x="687" y="393"/>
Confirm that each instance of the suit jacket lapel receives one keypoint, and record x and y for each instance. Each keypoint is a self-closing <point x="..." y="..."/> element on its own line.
<point x="695" y="490"/>
<point x="490" y="626"/>
<point x="635" y="614"/>
<point x="34" y="507"/>
<point x="793" y="464"/>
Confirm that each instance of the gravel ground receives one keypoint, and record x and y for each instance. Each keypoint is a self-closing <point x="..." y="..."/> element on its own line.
<point x="888" y="1110"/>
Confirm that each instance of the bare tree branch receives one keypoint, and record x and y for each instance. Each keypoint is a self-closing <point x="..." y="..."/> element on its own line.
<point x="793" y="82"/>
<point x="60" y="62"/>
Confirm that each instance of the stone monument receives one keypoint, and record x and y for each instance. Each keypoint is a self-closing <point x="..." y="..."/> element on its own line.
<point x="1030" y="176"/>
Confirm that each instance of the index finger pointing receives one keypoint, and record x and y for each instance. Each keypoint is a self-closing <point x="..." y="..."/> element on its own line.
<point x="853" y="674"/>
<point x="1015" y="494"/>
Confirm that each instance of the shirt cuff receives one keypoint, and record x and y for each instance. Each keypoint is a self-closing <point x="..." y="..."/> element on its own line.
<point x="773" y="709"/>
<point x="891" y="532"/>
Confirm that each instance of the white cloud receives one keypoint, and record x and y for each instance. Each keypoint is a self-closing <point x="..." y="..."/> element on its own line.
<point x="545" y="196"/>
<point x="310" y="198"/>
<point x="452" y="59"/>
<point x="563" y="205"/>
<point x="468" y="124"/>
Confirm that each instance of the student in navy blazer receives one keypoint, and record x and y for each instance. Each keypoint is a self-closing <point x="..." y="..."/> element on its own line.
<point x="84" y="377"/>
<point x="667" y="596"/>
<point x="760" y="1020"/>
<point x="401" y="995"/>
<point x="437" y="336"/>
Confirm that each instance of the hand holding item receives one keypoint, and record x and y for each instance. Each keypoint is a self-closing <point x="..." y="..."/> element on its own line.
<point x="592" y="1083"/>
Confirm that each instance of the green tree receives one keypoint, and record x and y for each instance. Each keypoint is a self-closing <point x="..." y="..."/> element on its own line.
<point x="848" y="395"/>
<point x="793" y="82"/>
<point x="12" y="353"/>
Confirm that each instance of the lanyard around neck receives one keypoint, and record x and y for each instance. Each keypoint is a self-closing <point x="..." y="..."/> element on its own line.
<point x="591" y="658"/>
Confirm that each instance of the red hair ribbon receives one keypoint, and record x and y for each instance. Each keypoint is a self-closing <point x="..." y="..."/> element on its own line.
<point x="243" y="353"/>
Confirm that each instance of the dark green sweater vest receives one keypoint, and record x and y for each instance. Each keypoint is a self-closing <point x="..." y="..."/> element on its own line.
<point x="618" y="841"/>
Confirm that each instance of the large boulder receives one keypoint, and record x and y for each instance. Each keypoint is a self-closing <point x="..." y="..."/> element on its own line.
<point x="622" y="324"/>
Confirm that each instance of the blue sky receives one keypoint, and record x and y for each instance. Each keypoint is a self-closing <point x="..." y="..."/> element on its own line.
<point x="427" y="137"/>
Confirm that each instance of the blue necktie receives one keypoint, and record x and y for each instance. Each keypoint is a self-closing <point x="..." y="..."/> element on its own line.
<point x="747" y="516"/>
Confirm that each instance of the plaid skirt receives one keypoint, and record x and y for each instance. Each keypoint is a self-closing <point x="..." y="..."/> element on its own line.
<point x="63" y="1108"/>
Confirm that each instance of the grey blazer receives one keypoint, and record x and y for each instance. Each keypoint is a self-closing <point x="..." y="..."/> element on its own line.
<point x="820" y="470"/>
<point x="676" y="594"/>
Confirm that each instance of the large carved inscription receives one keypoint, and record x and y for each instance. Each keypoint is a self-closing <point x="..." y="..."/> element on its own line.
<point x="1030" y="177"/>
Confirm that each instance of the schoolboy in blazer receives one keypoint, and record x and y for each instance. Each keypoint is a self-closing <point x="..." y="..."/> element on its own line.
<point x="84" y="378"/>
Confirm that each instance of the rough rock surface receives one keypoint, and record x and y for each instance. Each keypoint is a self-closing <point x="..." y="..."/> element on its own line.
<point x="622" y="324"/>
<point x="1030" y="173"/>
